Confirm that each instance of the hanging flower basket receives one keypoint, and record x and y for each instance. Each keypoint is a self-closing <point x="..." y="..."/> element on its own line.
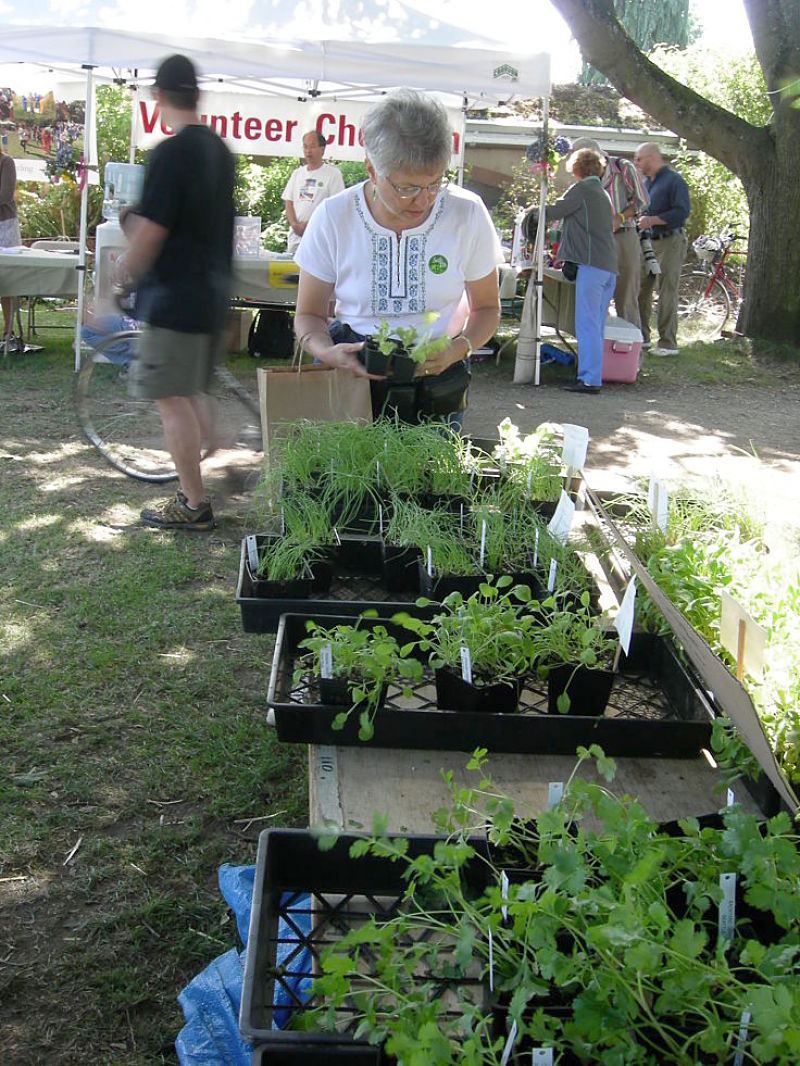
<point x="544" y="154"/>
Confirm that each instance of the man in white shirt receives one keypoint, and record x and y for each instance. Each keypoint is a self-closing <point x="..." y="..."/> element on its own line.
<point x="308" y="186"/>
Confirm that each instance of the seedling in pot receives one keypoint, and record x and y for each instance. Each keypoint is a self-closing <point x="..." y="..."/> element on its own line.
<point x="367" y="658"/>
<point x="486" y="639"/>
<point x="573" y="637"/>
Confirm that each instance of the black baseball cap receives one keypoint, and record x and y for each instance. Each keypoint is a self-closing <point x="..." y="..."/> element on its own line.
<point x="176" y="74"/>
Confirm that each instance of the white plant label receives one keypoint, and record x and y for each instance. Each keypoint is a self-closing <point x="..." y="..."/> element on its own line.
<point x="461" y="516"/>
<point x="325" y="661"/>
<point x="504" y="894"/>
<point x="430" y="562"/>
<point x="337" y="538"/>
<point x="483" y="544"/>
<point x="727" y="906"/>
<point x="542" y="1056"/>
<point x="528" y="486"/>
<point x="380" y="518"/>
<point x="576" y="443"/>
<point x="623" y="623"/>
<point x="744" y="1025"/>
<point x="561" y="522"/>
<point x="732" y="617"/>
<point x="731" y="799"/>
<point x="555" y="790"/>
<point x="551" y="577"/>
<point x="512" y="1036"/>
<point x="535" y="546"/>
<point x="466" y="665"/>
<point x="252" y="552"/>
<point x="378" y="470"/>
<point x="283" y="521"/>
<point x="658" y="503"/>
<point x="491" y="962"/>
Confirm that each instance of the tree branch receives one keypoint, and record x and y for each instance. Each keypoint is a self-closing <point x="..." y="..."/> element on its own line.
<point x="604" y="43"/>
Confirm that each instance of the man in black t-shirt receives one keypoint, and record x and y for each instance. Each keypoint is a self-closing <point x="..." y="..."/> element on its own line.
<point x="181" y="243"/>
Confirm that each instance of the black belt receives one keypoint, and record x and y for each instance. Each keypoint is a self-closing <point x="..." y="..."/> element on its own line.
<point x="672" y="233"/>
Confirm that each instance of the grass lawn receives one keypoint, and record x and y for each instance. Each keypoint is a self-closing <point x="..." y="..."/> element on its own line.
<point x="132" y="725"/>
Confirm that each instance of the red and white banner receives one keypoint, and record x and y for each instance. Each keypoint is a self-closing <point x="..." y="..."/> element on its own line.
<point x="274" y="126"/>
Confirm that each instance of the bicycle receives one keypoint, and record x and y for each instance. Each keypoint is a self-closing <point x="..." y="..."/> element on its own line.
<point x="706" y="297"/>
<point x="128" y="432"/>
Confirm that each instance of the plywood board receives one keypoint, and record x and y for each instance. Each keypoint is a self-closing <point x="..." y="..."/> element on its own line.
<point x="347" y="785"/>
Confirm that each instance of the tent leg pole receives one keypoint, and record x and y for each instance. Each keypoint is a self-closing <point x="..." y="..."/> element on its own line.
<point x="89" y="164"/>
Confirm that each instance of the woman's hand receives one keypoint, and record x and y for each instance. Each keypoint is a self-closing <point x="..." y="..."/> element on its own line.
<point x="453" y="353"/>
<point x="344" y="357"/>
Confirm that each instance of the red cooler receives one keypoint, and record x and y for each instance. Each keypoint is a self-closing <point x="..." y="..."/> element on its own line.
<point x="622" y="349"/>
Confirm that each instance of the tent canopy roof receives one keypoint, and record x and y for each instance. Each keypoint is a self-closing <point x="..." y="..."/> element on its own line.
<point x="333" y="64"/>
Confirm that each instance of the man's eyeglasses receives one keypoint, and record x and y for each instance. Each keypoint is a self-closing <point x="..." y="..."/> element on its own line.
<point x="411" y="192"/>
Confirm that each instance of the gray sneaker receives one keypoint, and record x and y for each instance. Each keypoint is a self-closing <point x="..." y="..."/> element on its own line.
<point x="663" y="351"/>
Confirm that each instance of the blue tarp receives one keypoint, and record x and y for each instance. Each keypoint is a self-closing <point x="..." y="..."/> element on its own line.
<point x="210" y="1001"/>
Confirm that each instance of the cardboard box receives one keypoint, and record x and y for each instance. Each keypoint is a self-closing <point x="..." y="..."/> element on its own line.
<point x="622" y="350"/>
<point x="239" y="330"/>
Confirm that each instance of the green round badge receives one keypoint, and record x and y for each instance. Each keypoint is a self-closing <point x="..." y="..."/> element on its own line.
<point x="437" y="264"/>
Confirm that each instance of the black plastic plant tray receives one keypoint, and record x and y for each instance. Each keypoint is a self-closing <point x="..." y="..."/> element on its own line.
<point x="311" y="1054"/>
<point x="656" y="710"/>
<point x="352" y="591"/>
<point x="304" y="900"/>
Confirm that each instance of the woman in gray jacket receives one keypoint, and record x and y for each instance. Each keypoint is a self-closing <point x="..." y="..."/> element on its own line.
<point x="587" y="239"/>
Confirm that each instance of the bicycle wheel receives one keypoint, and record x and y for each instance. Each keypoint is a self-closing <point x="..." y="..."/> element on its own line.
<point x="700" y="313"/>
<point x="126" y="432"/>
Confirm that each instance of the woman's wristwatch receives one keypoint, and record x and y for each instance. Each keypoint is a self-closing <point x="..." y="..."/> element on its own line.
<point x="463" y="337"/>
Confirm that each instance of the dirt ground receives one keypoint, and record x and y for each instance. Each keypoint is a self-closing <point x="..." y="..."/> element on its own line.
<point x="748" y="435"/>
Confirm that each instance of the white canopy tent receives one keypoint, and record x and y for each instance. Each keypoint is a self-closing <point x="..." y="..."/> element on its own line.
<point x="362" y="68"/>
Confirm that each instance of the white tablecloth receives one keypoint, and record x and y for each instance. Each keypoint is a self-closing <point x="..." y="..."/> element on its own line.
<point x="38" y="273"/>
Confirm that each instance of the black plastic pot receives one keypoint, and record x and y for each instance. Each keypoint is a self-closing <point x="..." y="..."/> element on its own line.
<point x="403" y="368"/>
<point x="588" y="689"/>
<point x="335" y="691"/>
<point x="438" y="586"/>
<point x="322" y="570"/>
<point x="295" y="588"/>
<point x="453" y="693"/>
<point x="400" y="567"/>
<point x="435" y="501"/>
<point x="375" y="362"/>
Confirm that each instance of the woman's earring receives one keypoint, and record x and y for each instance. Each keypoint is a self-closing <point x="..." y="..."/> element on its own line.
<point x="374" y="192"/>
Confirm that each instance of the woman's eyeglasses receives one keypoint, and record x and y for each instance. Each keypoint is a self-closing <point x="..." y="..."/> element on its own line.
<point x="411" y="192"/>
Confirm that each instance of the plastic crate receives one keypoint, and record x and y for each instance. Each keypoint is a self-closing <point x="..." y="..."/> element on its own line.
<point x="656" y="708"/>
<point x="304" y="900"/>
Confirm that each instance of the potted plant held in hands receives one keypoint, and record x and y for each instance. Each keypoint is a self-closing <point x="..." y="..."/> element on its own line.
<point x="480" y="647"/>
<point x="354" y="665"/>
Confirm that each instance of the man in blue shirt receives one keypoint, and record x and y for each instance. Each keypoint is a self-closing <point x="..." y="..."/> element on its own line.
<point x="665" y="215"/>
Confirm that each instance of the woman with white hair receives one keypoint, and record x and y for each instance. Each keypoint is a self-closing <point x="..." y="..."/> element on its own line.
<point x="407" y="247"/>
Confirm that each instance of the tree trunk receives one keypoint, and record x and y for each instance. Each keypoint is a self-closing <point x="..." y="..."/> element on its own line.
<point x="764" y="157"/>
<point x="772" y="281"/>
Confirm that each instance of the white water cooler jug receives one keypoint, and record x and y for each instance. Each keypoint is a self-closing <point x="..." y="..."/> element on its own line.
<point x="123" y="188"/>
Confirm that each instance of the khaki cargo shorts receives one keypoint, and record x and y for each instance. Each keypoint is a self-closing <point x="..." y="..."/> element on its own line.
<point x="169" y="363"/>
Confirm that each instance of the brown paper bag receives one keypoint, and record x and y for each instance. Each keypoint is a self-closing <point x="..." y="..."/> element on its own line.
<point x="316" y="392"/>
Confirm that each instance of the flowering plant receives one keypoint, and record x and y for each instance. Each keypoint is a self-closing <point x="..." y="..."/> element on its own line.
<point x="67" y="164"/>
<point x="543" y="153"/>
